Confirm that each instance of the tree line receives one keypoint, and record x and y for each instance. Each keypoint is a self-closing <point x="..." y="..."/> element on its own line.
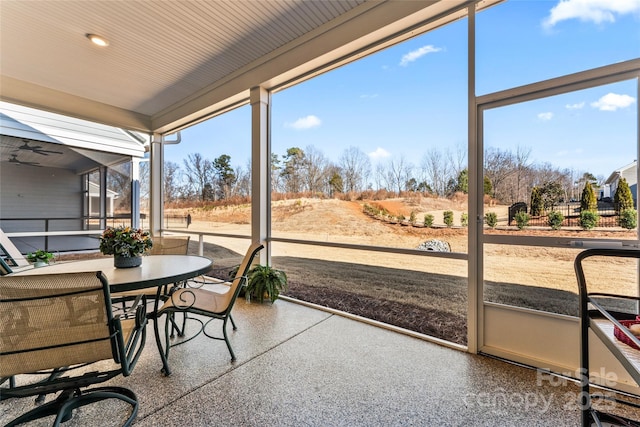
<point x="509" y="176"/>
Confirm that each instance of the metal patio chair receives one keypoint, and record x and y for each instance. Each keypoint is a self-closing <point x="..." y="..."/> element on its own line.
<point x="215" y="303"/>
<point x="53" y="326"/>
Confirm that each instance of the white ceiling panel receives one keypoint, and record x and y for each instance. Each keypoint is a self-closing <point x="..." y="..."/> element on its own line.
<point x="168" y="61"/>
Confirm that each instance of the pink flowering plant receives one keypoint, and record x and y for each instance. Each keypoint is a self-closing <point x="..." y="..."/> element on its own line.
<point x="125" y="241"/>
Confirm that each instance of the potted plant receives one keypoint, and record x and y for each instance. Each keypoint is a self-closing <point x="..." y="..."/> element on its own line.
<point x="126" y="244"/>
<point x="264" y="281"/>
<point x="40" y="258"/>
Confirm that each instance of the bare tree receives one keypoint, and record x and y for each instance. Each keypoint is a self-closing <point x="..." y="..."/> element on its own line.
<point x="380" y="176"/>
<point x="356" y="167"/>
<point x="436" y="171"/>
<point x="171" y="181"/>
<point x="198" y="173"/>
<point x="276" y="170"/>
<point x="242" y="187"/>
<point x="398" y="174"/>
<point x="315" y="170"/>
<point x="498" y="166"/>
<point x="522" y="166"/>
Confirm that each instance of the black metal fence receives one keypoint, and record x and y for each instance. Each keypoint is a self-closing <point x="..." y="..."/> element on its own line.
<point x="571" y="213"/>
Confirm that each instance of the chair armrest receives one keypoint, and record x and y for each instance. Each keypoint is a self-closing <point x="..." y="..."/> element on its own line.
<point x="130" y="328"/>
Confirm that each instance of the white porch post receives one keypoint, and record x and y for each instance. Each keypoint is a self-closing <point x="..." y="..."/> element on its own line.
<point x="156" y="199"/>
<point x="103" y="197"/>
<point x="476" y="196"/>
<point x="135" y="193"/>
<point x="260" y="170"/>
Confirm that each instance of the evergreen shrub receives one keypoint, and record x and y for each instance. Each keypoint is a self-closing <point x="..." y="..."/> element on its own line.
<point x="491" y="218"/>
<point x="588" y="219"/>
<point x="448" y="218"/>
<point x="522" y="219"/>
<point x="554" y="219"/>
<point x="428" y="220"/>
<point x="628" y="219"/>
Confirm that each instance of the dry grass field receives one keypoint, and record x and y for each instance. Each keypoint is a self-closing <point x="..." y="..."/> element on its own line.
<point x="421" y="293"/>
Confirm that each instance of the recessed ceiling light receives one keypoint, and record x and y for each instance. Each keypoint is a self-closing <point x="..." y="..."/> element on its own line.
<point x="98" y="40"/>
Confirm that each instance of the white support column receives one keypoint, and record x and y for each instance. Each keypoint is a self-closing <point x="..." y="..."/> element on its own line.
<point x="476" y="193"/>
<point x="260" y="170"/>
<point x="135" y="193"/>
<point x="156" y="197"/>
<point x="103" y="197"/>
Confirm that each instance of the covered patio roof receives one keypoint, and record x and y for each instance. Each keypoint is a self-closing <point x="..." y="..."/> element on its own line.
<point x="37" y="138"/>
<point x="169" y="64"/>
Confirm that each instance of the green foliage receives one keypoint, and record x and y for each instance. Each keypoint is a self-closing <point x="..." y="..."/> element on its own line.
<point x="536" y="202"/>
<point x="423" y="187"/>
<point x="588" y="219"/>
<point x="463" y="181"/>
<point x="428" y="220"/>
<point x="464" y="219"/>
<point x="224" y="174"/>
<point x="335" y="183"/>
<point x="40" y="255"/>
<point x="491" y="218"/>
<point x="550" y="194"/>
<point x="588" y="201"/>
<point x="411" y="185"/>
<point x="522" y="219"/>
<point x="628" y="219"/>
<point x="412" y="217"/>
<point x="554" y="219"/>
<point x="448" y="218"/>
<point x="125" y="241"/>
<point x="623" y="199"/>
<point x="400" y="218"/>
<point x="487" y="186"/>
<point x="265" y="281"/>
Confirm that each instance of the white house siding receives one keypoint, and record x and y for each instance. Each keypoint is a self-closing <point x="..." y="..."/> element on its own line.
<point x="630" y="174"/>
<point x="39" y="192"/>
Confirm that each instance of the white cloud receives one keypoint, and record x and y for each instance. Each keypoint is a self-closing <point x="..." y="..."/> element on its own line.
<point x="302" y="123"/>
<point x="613" y="101"/>
<point x="545" y="116"/>
<point x="596" y="11"/>
<point x="576" y="106"/>
<point x="380" y="153"/>
<point x="415" y="54"/>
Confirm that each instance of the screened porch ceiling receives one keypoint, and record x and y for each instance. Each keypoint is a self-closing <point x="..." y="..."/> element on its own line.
<point x="169" y="64"/>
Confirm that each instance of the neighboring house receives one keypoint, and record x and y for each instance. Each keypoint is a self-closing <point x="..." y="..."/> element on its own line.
<point x="628" y="172"/>
<point x="94" y="200"/>
<point x="52" y="166"/>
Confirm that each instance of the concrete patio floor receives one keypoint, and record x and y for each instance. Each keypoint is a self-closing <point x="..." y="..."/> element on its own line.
<point x="298" y="366"/>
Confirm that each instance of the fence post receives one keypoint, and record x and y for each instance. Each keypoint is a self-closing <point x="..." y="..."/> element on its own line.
<point x="46" y="237"/>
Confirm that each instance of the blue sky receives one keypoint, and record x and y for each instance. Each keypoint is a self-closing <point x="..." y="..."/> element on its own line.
<point x="412" y="97"/>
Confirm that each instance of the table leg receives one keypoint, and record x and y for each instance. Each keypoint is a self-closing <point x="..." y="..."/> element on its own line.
<point x="156" y="318"/>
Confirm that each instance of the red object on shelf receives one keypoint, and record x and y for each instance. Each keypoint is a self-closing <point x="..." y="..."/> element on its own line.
<point x="621" y="336"/>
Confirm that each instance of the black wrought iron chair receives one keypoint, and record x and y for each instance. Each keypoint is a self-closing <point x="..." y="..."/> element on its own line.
<point x="53" y="326"/>
<point x="215" y="302"/>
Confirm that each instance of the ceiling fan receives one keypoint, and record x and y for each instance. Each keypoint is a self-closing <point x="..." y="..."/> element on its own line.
<point x="14" y="159"/>
<point x="36" y="149"/>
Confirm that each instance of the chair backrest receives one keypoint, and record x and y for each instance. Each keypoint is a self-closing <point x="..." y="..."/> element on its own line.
<point x="11" y="251"/>
<point x="170" y="245"/>
<point x="241" y="274"/>
<point x="54" y="320"/>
